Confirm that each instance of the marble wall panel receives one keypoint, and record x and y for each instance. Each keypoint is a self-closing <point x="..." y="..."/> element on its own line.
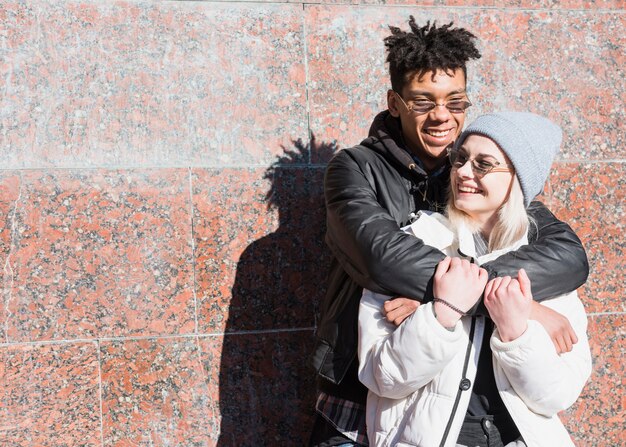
<point x="101" y="254"/>
<point x="50" y="395"/>
<point x="154" y="393"/>
<point x="264" y="386"/>
<point x="597" y="418"/>
<point x="347" y="81"/>
<point x="258" y="259"/>
<point x="500" y="4"/>
<point x="9" y="194"/>
<point x="136" y="84"/>
<point x="591" y="197"/>
<point x="568" y="65"/>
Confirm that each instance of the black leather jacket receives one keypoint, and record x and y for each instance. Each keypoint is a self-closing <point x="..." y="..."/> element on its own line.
<point x="371" y="190"/>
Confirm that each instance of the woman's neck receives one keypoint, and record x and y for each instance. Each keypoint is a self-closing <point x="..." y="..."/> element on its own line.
<point x="486" y="224"/>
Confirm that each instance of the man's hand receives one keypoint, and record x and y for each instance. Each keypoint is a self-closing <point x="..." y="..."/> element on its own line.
<point x="509" y="302"/>
<point x="556" y="325"/>
<point x="399" y="309"/>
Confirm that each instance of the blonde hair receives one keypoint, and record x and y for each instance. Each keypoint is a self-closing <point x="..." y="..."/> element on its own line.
<point x="513" y="220"/>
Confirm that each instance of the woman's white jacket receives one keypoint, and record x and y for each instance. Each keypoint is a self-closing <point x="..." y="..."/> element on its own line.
<point x="419" y="375"/>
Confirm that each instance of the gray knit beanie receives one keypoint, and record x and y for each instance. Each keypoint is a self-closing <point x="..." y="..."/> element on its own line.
<point x="530" y="141"/>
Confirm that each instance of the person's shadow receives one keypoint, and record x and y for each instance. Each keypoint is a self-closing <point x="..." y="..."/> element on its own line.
<point x="266" y="383"/>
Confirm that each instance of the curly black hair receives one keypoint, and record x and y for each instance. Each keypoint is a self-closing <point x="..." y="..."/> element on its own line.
<point x="427" y="48"/>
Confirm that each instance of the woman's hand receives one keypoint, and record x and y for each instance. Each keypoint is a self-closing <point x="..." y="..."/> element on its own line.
<point x="399" y="309"/>
<point x="509" y="302"/>
<point x="459" y="283"/>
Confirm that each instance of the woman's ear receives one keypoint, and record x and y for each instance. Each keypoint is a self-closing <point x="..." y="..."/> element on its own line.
<point x="393" y="104"/>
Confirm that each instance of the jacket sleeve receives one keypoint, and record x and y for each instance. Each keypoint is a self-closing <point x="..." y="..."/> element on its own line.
<point x="395" y="362"/>
<point x="366" y="239"/>
<point x="546" y="381"/>
<point x="556" y="261"/>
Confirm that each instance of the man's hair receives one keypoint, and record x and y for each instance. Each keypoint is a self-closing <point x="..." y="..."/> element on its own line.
<point x="427" y="48"/>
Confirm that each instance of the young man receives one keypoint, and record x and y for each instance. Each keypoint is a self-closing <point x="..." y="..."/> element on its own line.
<point x="374" y="189"/>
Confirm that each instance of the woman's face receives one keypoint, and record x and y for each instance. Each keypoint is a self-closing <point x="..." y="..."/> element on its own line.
<point x="481" y="197"/>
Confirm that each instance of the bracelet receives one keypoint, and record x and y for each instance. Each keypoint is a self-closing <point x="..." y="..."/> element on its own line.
<point x="451" y="306"/>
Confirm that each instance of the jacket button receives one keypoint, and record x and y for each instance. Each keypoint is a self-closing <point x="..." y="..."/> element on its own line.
<point x="486" y="423"/>
<point x="465" y="384"/>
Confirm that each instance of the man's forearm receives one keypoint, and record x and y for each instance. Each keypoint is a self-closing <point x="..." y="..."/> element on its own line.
<point x="555" y="261"/>
<point x="367" y="240"/>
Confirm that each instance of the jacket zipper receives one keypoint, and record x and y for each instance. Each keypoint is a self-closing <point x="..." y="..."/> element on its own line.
<point x="460" y="390"/>
<point x="414" y="188"/>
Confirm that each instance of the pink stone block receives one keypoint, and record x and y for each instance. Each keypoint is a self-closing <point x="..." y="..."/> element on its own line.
<point x="9" y="194"/>
<point x="568" y="65"/>
<point x="230" y="213"/>
<point x="597" y="418"/>
<point x="501" y="4"/>
<point x="348" y="80"/>
<point x="154" y="393"/>
<point x="49" y="395"/>
<point x="149" y="83"/>
<point x="101" y="254"/>
<point x="260" y="260"/>
<point x="264" y="386"/>
<point x="591" y="197"/>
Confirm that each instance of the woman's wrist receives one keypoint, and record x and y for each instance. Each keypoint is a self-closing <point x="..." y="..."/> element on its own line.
<point x="447" y="316"/>
<point x="512" y="332"/>
<point x="446" y="324"/>
<point x="451" y="306"/>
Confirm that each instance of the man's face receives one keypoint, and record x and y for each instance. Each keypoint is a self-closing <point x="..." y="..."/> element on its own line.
<point x="428" y="135"/>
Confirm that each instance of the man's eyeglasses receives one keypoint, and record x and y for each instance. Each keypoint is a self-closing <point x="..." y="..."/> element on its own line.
<point x="480" y="166"/>
<point x="423" y="106"/>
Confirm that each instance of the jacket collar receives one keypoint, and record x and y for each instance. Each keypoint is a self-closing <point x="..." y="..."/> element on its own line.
<point x="497" y="253"/>
<point x="435" y="230"/>
<point x="385" y="135"/>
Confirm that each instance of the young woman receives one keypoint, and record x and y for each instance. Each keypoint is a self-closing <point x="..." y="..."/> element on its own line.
<point x="443" y="377"/>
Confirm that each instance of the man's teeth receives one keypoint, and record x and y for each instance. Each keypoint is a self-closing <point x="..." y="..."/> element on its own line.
<point x="438" y="133"/>
<point x="468" y="189"/>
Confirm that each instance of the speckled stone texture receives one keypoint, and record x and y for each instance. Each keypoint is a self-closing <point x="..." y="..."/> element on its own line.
<point x="150" y="83"/>
<point x="100" y="254"/>
<point x="598" y="192"/>
<point x="154" y="392"/>
<point x="263" y="387"/>
<point x="597" y="418"/>
<point x="9" y="192"/>
<point x="161" y="201"/>
<point x="253" y="263"/>
<point x="50" y="395"/>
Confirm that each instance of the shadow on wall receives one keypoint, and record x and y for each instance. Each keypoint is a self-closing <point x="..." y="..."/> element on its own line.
<point x="266" y="384"/>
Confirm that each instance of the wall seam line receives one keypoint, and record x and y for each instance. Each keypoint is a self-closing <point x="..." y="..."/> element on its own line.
<point x="8" y="269"/>
<point x="203" y="373"/>
<point x="100" y="393"/>
<point x="156" y="168"/>
<point x="462" y="8"/>
<point x="193" y="250"/>
<point x="307" y="80"/>
<point x="155" y="337"/>
<point x="585" y="161"/>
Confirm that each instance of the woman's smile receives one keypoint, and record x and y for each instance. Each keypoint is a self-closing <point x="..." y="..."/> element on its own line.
<point x="469" y="190"/>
